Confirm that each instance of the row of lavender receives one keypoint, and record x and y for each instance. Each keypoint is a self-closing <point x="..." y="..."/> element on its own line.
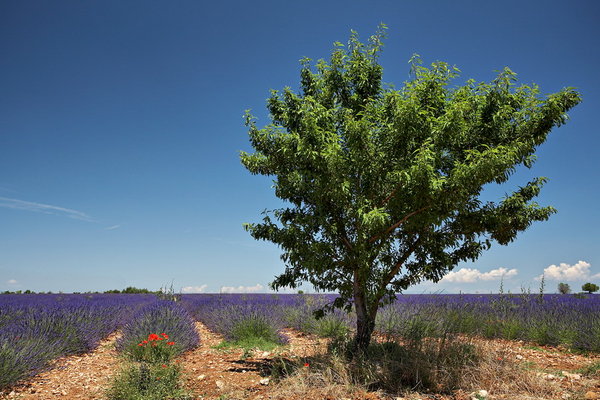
<point x="35" y="329"/>
<point x="568" y="320"/>
<point x="237" y="316"/>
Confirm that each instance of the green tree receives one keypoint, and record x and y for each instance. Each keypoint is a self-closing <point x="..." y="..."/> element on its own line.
<point x="564" y="288"/>
<point x="590" y="287"/>
<point x="382" y="186"/>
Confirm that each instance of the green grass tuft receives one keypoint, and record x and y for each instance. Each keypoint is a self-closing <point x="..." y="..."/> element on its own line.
<point x="141" y="381"/>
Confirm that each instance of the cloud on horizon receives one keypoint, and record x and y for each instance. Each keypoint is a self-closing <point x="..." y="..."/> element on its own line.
<point x="17" y="204"/>
<point x="566" y="272"/>
<point x="194" y="289"/>
<point x="470" y="275"/>
<point x="242" y="289"/>
<point x="12" y="281"/>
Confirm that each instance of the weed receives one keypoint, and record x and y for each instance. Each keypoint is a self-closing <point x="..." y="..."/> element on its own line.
<point x="590" y="370"/>
<point x="143" y="381"/>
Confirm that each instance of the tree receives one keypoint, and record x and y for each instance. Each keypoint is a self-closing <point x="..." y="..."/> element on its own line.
<point x="382" y="186"/>
<point x="564" y="288"/>
<point x="590" y="287"/>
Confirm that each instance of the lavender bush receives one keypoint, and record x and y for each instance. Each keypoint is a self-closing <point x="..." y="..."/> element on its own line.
<point x="162" y="317"/>
<point x="37" y="328"/>
<point x="240" y="318"/>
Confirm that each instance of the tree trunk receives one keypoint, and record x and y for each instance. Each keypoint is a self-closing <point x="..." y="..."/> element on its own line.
<point x="365" y="323"/>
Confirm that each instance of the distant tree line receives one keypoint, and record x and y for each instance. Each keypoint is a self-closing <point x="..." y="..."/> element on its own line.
<point x="127" y="290"/>
<point x="564" y="288"/>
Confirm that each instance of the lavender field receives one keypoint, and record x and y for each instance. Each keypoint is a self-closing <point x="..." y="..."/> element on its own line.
<point x="37" y="328"/>
<point x="569" y="320"/>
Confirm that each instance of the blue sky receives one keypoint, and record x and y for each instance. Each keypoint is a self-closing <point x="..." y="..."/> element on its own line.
<point x="121" y="124"/>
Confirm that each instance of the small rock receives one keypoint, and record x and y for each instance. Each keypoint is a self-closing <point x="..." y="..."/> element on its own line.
<point x="549" y="377"/>
<point x="264" y="381"/>
<point x="519" y="357"/>
<point x="266" y="354"/>
<point x="591" y="395"/>
<point x="201" y="377"/>
<point x="220" y="384"/>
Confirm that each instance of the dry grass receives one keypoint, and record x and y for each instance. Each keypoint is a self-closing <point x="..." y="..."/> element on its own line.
<point x="451" y="369"/>
<point x="502" y="377"/>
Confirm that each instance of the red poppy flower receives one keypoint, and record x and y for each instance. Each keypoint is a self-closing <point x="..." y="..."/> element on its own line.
<point x="170" y="343"/>
<point x="164" y="335"/>
<point x="164" y="366"/>
<point x="306" y="365"/>
<point x="140" y="344"/>
<point x="153" y="336"/>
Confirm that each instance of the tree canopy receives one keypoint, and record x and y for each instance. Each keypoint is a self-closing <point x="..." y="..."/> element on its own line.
<point x="564" y="288"/>
<point x="590" y="287"/>
<point x="382" y="186"/>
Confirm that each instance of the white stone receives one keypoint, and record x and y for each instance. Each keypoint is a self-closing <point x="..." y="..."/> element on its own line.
<point x="220" y="384"/>
<point x="519" y="357"/>
<point x="264" y="381"/>
<point x="480" y="395"/>
<point x="569" y="375"/>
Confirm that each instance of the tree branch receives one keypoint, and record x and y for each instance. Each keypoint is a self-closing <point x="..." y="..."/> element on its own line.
<point x="396" y="268"/>
<point x="385" y="201"/>
<point x="397" y="224"/>
<point x="393" y="271"/>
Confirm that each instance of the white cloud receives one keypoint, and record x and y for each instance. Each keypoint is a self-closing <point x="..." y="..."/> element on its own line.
<point x="468" y="275"/>
<point x="194" y="289"/>
<point x="43" y="208"/>
<point x="567" y="272"/>
<point x="242" y="289"/>
<point x="110" y="228"/>
<point x="12" y="282"/>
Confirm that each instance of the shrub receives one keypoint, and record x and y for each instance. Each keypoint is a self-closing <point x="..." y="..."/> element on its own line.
<point x="148" y="382"/>
<point x="164" y="317"/>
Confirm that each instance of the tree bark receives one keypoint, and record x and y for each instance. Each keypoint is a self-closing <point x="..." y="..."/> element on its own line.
<point x="365" y="318"/>
<point x="365" y="324"/>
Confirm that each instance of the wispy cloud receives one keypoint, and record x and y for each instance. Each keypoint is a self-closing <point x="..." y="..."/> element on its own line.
<point x="112" y="228"/>
<point x="242" y="289"/>
<point x="566" y="272"/>
<point x="44" y="208"/>
<point x="468" y="275"/>
<point x="12" y="281"/>
<point x="194" y="289"/>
